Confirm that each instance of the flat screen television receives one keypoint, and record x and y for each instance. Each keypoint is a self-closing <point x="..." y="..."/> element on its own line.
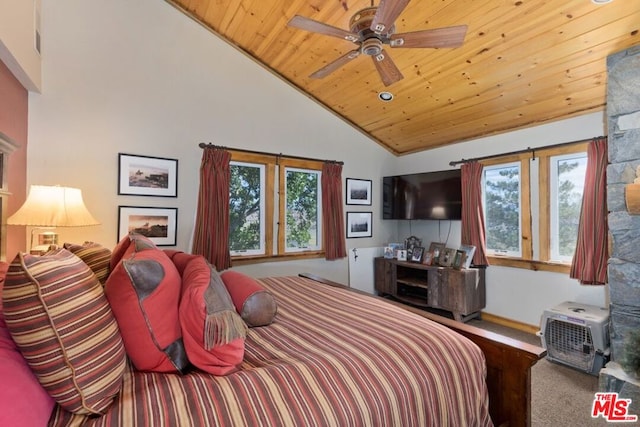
<point x="428" y="195"/>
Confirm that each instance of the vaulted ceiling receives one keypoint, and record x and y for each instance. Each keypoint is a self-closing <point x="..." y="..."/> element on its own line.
<point x="521" y="63"/>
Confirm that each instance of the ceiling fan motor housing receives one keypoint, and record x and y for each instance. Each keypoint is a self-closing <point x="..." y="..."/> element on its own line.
<point x="360" y="23"/>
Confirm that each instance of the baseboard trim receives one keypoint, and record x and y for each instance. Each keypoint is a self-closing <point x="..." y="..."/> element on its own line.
<point x="510" y="323"/>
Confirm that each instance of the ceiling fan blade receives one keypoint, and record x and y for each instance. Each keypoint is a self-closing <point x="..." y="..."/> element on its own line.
<point x="388" y="11"/>
<point x="439" y="37"/>
<point x="333" y="66"/>
<point x="387" y="69"/>
<point x="309" y="24"/>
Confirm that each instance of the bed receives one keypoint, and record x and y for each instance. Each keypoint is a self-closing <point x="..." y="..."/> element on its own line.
<point x="331" y="358"/>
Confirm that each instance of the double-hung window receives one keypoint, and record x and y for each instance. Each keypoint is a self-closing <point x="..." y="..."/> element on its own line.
<point x="532" y="207"/>
<point x="502" y="202"/>
<point x="275" y="207"/>
<point x="303" y="210"/>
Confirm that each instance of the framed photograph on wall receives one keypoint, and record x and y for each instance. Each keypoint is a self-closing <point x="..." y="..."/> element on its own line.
<point x="358" y="192"/>
<point x="147" y="176"/>
<point x="359" y="224"/>
<point x="158" y="224"/>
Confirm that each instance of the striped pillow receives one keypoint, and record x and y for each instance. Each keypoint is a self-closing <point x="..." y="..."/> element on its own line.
<point x="96" y="256"/>
<point x="59" y="317"/>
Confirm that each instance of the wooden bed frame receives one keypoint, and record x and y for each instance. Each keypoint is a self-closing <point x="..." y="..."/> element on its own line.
<point x="509" y="364"/>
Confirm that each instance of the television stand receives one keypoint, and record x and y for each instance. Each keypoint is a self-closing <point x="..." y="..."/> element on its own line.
<point x="460" y="292"/>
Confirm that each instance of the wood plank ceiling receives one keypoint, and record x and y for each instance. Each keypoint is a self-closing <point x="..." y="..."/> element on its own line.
<point x="522" y="63"/>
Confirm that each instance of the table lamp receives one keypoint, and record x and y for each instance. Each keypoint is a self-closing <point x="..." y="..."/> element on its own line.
<point x="50" y="207"/>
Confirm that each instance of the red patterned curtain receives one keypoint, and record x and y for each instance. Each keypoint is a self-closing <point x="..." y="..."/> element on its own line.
<point x="472" y="214"/>
<point x="211" y="235"/>
<point x="332" y="212"/>
<point x="589" y="264"/>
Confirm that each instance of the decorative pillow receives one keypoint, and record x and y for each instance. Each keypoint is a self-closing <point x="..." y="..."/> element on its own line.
<point x="213" y="332"/>
<point x="144" y="293"/>
<point x="58" y="316"/>
<point x="23" y="401"/>
<point x="256" y="305"/>
<point x="96" y="256"/>
<point x="132" y="242"/>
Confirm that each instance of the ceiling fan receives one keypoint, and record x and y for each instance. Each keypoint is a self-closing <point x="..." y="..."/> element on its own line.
<point x="373" y="27"/>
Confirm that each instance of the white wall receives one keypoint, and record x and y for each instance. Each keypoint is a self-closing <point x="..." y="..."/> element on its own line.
<point x="145" y="79"/>
<point x="513" y="293"/>
<point x="17" y="41"/>
<point x="142" y="78"/>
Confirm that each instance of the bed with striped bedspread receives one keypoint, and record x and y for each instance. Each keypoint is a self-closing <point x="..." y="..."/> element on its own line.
<point x="331" y="358"/>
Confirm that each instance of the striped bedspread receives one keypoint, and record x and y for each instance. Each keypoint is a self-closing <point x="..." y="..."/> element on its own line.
<point x="331" y="358"/>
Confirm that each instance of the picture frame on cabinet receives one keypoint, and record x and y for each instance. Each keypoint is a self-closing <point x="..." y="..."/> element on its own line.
<point x="446" y="257"/>
<point x="436" y="249"/>
<point x="458" y="259"/>
<point x="469" y="251"/>
<point x="416" y="254"/>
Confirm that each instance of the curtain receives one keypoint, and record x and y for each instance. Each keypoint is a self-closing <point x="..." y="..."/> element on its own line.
<point x="589" y="264"/>
<point x="472" y="215"/>
<point x="211" y="234"/>
<point x="332" y="212"/>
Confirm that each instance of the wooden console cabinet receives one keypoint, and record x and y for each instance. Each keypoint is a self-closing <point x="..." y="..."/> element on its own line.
<point x="461" y="292"/>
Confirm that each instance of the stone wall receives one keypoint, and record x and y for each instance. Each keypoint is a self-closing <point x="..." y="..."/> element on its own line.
<point x="623" y="111"/>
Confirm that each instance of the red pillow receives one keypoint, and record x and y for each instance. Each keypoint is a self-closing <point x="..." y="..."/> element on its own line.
<point x="144" y="293"/>
<point x="256" y="305"/>
<point x="129" y="243"/>
<point x="214" y="345"/>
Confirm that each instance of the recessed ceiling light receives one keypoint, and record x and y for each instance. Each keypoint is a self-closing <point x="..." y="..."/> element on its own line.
<point x="601" y="1"/>
<point x="385" y="96"/>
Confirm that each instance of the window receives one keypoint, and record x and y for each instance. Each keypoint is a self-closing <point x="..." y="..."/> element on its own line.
<point x="303" y="211"/>
<point x="567" y="174"/>
<point x="501" y="201"/>
<point x="247" y="209"/>
<point x="254" y="203"/>
<point x="541" y="235"/>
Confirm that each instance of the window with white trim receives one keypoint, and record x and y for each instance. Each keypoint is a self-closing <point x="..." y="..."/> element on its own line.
<point x="247" y="209"/>
<point x="502" y="206"/>
<point x="275" y="207"/>
<point x="539" y="235"/>
<point x="303" y="219"/>
<point x="567" y="174"/>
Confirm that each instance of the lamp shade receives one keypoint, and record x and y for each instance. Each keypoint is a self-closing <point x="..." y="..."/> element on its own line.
<point x="53" y="206"/>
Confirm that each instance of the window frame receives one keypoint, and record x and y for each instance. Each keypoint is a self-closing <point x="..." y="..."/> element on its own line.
<point x="520" y="219"/>
<point x="263" y="222"/>
<point x="283" y="191"/>
<point x="275" y="235"/>
<point x="543" y="157"/>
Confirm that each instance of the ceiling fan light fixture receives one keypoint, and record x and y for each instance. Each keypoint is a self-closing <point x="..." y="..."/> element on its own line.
<point x="599" y="2"/>
<point x="385" y="96"/>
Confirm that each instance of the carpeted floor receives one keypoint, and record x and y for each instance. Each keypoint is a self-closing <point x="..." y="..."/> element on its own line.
<point x="560" y="395"/>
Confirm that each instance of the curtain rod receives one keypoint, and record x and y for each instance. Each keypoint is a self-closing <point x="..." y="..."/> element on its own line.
<point x="526" y="150"/>
<point x="265" y="153"/>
